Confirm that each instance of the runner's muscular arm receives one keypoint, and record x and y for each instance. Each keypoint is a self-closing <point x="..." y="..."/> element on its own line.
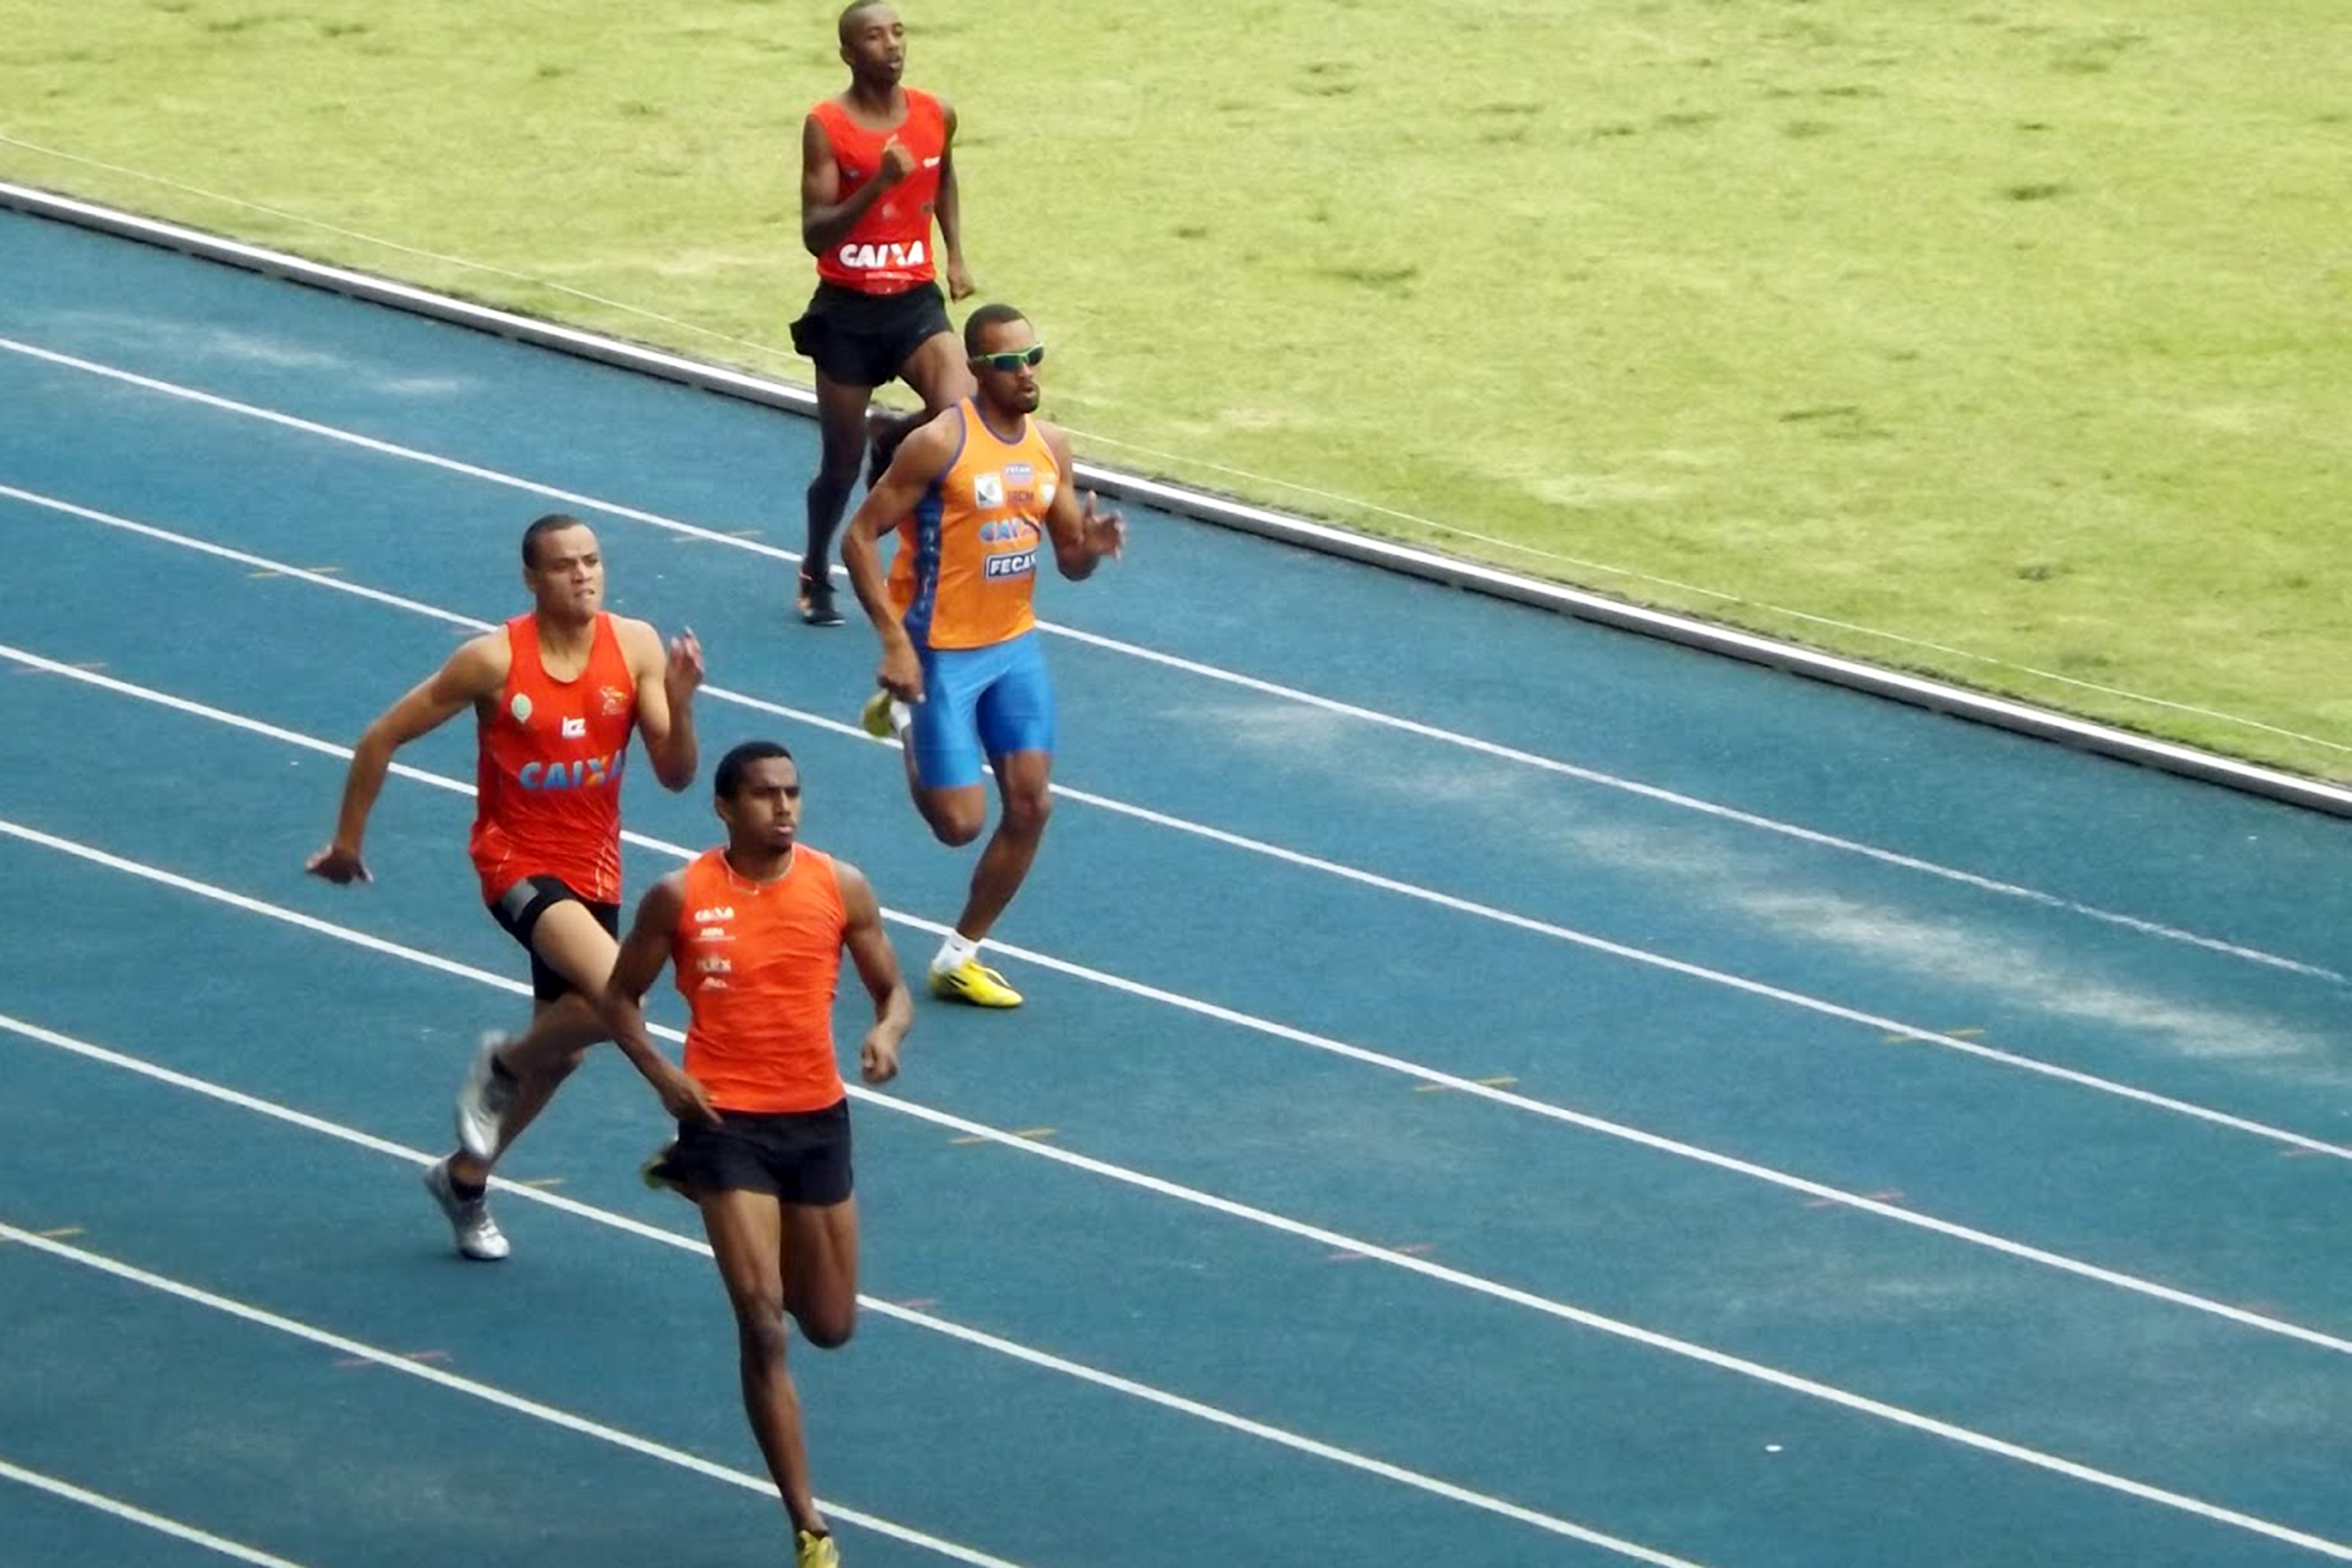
<point x="826" y="218"/>
<point x="920" y="458"/>
<point x="1082" y="536"/>
<point x="666" y="681"/>
<point x="947" y="208"/>
<point x="877" y="966"/>
<point x="643" y="954"/>
<point x="472" y="675"/>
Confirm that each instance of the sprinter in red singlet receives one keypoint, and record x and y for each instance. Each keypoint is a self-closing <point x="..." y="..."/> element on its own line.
<point x="878" y="166"/>
<point x="755" y="933"/>
<point x="979" y="495"/>
<point x="555" y="694"/>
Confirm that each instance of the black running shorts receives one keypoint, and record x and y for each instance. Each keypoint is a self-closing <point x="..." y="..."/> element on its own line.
<point x="797" y="1156"/>
<point x="866" y="339"/>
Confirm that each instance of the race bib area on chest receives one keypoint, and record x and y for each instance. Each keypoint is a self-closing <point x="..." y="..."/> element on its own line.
<point x="882" y="258"/>
<point x="994" y="537"/>
<point x="586" y="773"/>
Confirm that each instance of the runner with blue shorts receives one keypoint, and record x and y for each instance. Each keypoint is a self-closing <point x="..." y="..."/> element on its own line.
<point x="976" y="495"/>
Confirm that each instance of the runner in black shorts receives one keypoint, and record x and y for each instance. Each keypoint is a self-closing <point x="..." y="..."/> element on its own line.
<point x="556" y="696"/>
<point x="877" y="168"/>
<point x="754" y="933"/>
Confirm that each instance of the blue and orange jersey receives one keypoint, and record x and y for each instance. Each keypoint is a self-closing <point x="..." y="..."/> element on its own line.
<point x="966" y="568"/>
<point x="548" y="784"/>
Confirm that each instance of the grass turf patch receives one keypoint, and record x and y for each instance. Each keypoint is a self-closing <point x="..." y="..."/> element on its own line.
<point x="2011" y="345"/>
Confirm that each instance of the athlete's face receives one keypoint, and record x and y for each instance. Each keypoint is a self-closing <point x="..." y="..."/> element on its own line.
<point x="874" y="44"/>
<point x="1003" y="368"/>
<point x="567" y="576"/>
<point x="764" y="812"/>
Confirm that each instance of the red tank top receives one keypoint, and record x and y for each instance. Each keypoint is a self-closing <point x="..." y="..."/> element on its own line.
<point x="758" y="964"/>
<point x="548" y="784"/>
<point x="890" y="249"/>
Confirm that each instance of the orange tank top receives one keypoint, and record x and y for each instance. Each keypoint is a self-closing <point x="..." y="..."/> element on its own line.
<point x="965" y="571"/>
<point x="548" y="784"/>
<point x="758" y="964"/>
<point x="889" y="251"/>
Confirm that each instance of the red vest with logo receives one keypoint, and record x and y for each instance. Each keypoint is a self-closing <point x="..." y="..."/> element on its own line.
<point x="548" y="784"/>
<point x="890" y="249"/>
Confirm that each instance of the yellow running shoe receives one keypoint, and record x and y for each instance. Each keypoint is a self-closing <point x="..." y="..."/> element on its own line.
<point x="816" y="1551"/>
<point x="972" y="981"/>
<point x="656" y="1174"/>
<point x="877" y="715"/>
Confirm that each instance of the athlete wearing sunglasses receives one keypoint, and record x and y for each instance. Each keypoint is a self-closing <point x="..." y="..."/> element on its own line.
<point x="1010" y="359"/>
<point x="976" y="495"/>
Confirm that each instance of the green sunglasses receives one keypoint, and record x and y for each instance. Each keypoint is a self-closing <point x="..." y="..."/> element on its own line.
<point x="1012" y="359"/>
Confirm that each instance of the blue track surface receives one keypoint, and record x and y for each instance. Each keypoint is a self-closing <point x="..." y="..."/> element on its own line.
<point x="1493" y="1089"/>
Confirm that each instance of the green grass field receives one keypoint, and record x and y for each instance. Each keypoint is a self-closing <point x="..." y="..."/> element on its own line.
<point x="2010" y="343"/>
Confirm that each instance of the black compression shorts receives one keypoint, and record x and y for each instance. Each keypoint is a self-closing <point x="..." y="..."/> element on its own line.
<point x="518" y="910"/>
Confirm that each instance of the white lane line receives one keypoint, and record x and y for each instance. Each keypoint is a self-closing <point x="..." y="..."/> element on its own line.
<point x="1328" y="1240"/>
<point x="835" y="726"/>
<point x="1596" y="943"/>
<point x="1725" y="814"/>
<point x="139" y="1516"/>
<point x="1815" y="1190"/>
<point x="974" y="1337"/>
<point x="1351" y="711"/>
<point x="1884" y="1026"/>
<point x="395" y="1361"/>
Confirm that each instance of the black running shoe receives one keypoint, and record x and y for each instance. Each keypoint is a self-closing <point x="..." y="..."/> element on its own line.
<point x="816" y="602"/>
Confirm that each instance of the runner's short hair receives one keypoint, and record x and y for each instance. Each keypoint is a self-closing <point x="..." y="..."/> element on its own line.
<point x="553" y="522"/>
<point x="980" y="320"/>
<point x="733" y="766"/>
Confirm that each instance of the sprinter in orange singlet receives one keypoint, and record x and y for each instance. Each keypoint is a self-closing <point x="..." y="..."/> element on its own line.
<point x="555" y="694"/>
<point x="878" y="166"/>
<point x="754" y="931"/>
<point x="979" y="494"/>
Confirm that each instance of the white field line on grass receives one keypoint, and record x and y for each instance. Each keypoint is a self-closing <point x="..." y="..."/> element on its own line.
<point x="1816" y="1191"/>
<point x="399" y="248"/>
<point x="1212" y="672"/>
<point x="787" y="394"/>
<point x="1329" y="1239"/>
<point x="1918" y="1034"/>
<point x="1044" y="1360"/>
<point x="139" y="1516"/>
<point x="394" y="1362"/>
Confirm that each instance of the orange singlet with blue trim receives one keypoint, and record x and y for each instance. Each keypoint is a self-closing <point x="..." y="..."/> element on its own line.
<point x="965" y="573"/>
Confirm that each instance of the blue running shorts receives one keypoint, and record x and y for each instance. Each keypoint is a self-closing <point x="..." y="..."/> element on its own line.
<point x="980" y="701"/>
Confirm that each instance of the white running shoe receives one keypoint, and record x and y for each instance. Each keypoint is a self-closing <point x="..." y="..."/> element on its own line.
<point x="476" y="1233"/>
<point x="482" y="1101"/>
